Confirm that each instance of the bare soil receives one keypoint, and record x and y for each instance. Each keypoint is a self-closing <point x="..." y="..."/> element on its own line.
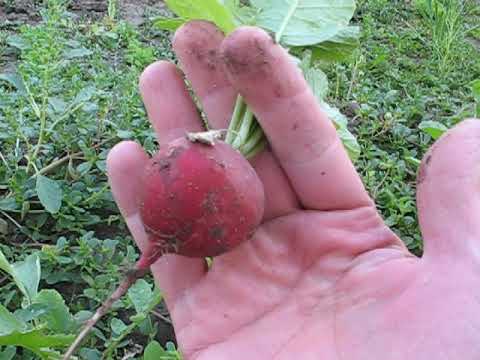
<point x="18" y="12"/>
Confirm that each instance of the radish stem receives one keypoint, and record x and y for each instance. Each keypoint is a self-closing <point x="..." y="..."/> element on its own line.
<point x="236" y="119"/>
<point x="244" y="132"/>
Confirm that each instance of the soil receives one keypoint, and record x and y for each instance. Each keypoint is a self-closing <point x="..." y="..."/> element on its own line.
<point x="18" y="12"/>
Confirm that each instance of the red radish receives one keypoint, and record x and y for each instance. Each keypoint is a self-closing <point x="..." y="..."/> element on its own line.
<point x="196" y="200"/>
<point x="199" y="200"/>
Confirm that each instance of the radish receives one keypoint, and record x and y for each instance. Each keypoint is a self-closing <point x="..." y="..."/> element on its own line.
<point x="199" y="200"/>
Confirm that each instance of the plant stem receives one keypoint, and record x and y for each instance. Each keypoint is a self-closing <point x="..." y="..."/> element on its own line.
<point x="234" y="122"/>
<point x="257" y="149"/>
<point x="253" y="140"/>
<point x="244" y="132"/>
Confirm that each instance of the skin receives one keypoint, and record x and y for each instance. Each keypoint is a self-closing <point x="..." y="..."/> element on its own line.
<point x="323" y="277"/>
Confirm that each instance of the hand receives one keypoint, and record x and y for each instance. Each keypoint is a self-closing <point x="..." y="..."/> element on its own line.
<point x="323" y="277"/>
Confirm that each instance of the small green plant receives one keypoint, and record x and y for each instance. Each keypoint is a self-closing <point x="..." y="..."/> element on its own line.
<point x="43" y="324"/>
<point x="154" y="351"/>
<point x="446" y="20"/>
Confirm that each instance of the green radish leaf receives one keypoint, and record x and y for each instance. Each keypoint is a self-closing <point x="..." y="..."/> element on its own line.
<point x="339" y="47"/>
<point x="170" y="24"/>
<point x="57" y="314"/>
<point x="244" y="15"/>
<point x="303" y="22"/>
<point x="49" y="193"/>
<point x="349" y="142"/>
<point x="9" y="323"/>
<point x="340" y="121"/>
<point x="211" y="10"/>
<point x="433" y="128"/>
<point x="318" y="82"/>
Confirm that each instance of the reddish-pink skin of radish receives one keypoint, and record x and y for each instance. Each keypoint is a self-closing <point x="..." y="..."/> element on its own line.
<point x="198" y="200"/>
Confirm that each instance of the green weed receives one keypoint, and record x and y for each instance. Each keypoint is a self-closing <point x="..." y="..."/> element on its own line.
<point x="446" y="21"/>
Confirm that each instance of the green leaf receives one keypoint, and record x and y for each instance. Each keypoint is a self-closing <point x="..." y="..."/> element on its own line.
<point x="30" y="312"/>
<point x="85" y="94"/>
<point x="335" y="115"/>
<point x="5" y="265"/>
<point x="36" y="339"/>
<point x="340" y="121"/>
<point x="433" y="128"/>
<point x="349" y="142"/>
<point x="9" y="323"/>
<point x="25" y="274"/>
<point x="8" y="353"/>
<point x="118" y="326"/>
<point x="339" y="47"/>
<point x="140" y="294"/>
<point x="244" y="15"/>
<point x="210" y="10"/>
<point x="15" y="80"/>
<point x="90" y="354"/>
<point x="77" y="53"/>
<point x="318" y="82"/>
<point x="57" y="315"/>
<point x="155" y="351"/>
<point x="8" y="204"/>
<point x="170" y="24"/>
<point x="28" y="274"/>
<point x="18" y="42"/>
<point x="50" y="194"/>
<point x="303" y="22"/>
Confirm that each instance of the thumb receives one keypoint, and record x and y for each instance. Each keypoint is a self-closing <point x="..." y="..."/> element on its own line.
<point x="448" y="188"/>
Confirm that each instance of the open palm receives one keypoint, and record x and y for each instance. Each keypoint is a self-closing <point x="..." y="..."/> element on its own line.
<point x="323" y="277"/>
